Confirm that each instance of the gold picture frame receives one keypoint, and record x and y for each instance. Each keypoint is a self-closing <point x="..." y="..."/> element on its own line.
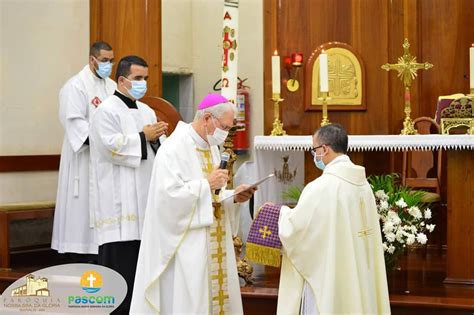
<point x="346" y="79"/>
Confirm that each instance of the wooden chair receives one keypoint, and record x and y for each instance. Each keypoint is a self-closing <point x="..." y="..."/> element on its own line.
<point x="417" y="168"/>
<point x="417" y="164"/>
<point x="18" y="212"/>
<point x="164" y="111"/>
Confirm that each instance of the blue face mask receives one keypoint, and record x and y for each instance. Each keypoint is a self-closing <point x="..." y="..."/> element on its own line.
<point x="319" y="163"/>
<point x="138" y="89"/>
<point x="104" y="70"/>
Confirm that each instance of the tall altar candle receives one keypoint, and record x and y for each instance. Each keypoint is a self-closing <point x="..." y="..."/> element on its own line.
<point x="471" y="67"/>
<point x="323" y="72"/>
<point x="276" y="73"/>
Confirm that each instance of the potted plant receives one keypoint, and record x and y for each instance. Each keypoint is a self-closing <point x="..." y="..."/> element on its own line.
<point x="404" y="216"/>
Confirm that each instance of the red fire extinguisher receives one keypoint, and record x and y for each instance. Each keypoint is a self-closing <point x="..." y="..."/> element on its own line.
<point x="241" y="140"/>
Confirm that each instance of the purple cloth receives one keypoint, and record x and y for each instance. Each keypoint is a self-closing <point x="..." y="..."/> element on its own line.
<point x="266" y="224"/>
<point x="442" y="104"/>
<point x="212" y="99"/>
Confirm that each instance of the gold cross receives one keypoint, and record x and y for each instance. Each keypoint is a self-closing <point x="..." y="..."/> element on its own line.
<point x="219" y="277"/>
<point x="365" y="232"/>
<point x="219" y="233"/>
<point x="407" y="68"/>
<point x="265" y="231"/>
<point x="221" y="298"/>
<point x="220" y="254"/>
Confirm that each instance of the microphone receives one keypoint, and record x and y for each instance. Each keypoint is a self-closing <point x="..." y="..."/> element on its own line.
<point x="224" y="159"/>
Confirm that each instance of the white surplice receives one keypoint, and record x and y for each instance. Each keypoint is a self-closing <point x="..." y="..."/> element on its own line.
<point x="175" y="273"/>
<point x="333" y="259"/>
<point x="120" y="177"/>
<point x="78" y="99"/>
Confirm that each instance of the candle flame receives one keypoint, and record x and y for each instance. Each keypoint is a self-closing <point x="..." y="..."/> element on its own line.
<point x="323" y="52"/>
<point x="275" y="53"/>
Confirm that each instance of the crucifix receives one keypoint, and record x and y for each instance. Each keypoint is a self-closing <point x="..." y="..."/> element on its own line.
<point x="407" y="68"/>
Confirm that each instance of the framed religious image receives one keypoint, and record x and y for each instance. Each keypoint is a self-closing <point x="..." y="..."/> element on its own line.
<point x="345" y="79"/>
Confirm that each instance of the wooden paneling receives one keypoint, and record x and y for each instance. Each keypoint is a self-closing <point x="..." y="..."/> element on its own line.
<point x="447" y="32"/>
<point x="440" y="32"/>
<point x="28" y="163"/>
<point x="460" y="217"/>
<point x="132" y="27"/>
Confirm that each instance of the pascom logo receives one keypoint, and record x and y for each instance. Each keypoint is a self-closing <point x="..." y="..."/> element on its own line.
<point x="91" y="281"/>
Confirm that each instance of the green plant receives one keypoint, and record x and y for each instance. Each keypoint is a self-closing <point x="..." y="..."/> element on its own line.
<point x="292" y="194"/>
<point x="403" y="215"/>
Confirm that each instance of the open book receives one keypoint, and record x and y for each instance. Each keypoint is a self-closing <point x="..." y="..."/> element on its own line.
<point x="251" y="186"/>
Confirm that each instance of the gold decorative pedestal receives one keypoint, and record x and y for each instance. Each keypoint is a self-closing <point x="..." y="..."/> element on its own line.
<point x="325" y="121"/>
<point x="408" y="125"/>
<point x="407" y="68"/>
<point x="277" y="124"/>
<point x="244" y="269"/>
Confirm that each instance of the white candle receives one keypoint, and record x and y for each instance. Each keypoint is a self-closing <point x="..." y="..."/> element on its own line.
<point x="471" y="67"/>
<point x="276" y="73"/>
<point x="323" y="72"/>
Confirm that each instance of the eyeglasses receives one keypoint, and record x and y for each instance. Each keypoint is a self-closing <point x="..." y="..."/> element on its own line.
<point x="313" y="150"/>
<point x="224" y="127"/>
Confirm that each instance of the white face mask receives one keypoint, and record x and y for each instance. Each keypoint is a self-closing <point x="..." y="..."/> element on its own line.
<point x="218" y="137"/>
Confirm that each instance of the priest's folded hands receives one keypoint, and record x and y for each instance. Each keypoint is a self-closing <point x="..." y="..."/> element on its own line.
<point x="154" y="131"/>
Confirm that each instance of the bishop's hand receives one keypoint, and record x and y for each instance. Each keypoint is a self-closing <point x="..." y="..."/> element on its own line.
<point x="243" y="193"/>
<point x="218" y="178"/>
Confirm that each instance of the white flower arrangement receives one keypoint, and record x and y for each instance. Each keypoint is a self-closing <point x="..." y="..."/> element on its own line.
<point x="403" y="217"/>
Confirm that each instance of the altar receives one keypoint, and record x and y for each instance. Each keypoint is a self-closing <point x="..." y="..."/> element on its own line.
<point x="460" y="184"/>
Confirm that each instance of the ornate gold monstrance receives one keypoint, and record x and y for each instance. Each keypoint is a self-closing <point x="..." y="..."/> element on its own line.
<point x="407" y="68"/>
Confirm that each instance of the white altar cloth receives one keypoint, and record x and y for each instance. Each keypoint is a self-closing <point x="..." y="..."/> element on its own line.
<point x="372" y="143"/>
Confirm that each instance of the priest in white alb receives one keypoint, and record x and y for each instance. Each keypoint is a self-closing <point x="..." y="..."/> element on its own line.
<point x="187" y="263"/>
<point x="73" y="231"/>
<point x="333" y="259"/>
<point x="122" y="132"/>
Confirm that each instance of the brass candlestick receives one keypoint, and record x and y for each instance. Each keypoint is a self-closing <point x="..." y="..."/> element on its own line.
<point x="407" y="68"/>
<point x="325" y="121"/>
<point x="277" y="124"/>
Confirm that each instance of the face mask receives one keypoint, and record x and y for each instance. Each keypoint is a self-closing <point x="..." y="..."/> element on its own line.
<point x="218" y="137"/>
<point x="319" y="163"/>
<point x="104" y="70"/>
<point x="138" y="89"/>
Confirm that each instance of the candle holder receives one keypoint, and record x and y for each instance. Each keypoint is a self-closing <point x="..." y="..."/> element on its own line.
<point x="277" y="124"/>
<point x="325" y="121"/>
<point x="295" y="61"/>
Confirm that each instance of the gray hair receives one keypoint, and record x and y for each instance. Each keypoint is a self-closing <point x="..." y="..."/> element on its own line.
<point x="217" y="111"/>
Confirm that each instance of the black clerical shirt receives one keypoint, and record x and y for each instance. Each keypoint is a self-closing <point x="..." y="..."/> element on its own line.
<point x="132" y="104"/>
